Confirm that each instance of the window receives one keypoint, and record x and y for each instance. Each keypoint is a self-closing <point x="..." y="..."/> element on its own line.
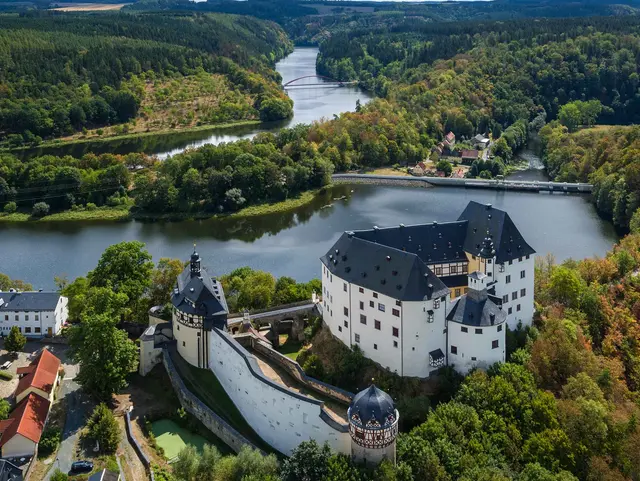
<point x="464" y="329"/>
<point x="16" y="317"/>
<point x="500" y="328"/>
<point x="344" y="286"/>
<point x="363" y="319"/>
<point x="395" y="343"/>
<point x="488" y="261"/>
<point x="395" y="332"/>
<point x="346" y="324"/>
<point x="522" y="274"/>
<point x="489" y="274"/>
<point x="430" y="316"/>
<point x="6" y="317"/>
<point x="395" y="312"/>
<point x="398" y="303"/>
<point x="473" y="257"/>
<point x="381" y="307"/>
<point x="495" y="344"/>
<point x="372" y="304"/>
<point x="519" y="259"/>
<point x="438" y="271"/>
<point x="501" y="268"/>
<point x="357" y="337"/>
<point x="523" y="292"/>
<point x="375" y="295"/>
<point x="361" y="290"/>
<point x="178" y="326"/>
<point x="511" y="310"/>
<point x="457" y="293"/>
<point x="436" y="303"/>
<point x="346" y="311"/>
<point x="376" y="324"/>
<point x="454" y="350"/>
<point x="27" y="330"/>
<point x="505" y="298"/>
<point x="518" y="308"/>
<point x="331" y="278"/>
<point x="527" y="256"/>
<point x="375" y="346"/>
<point x="511" y="262"/>
<point x="514" y="295"/>
<point x="473" y="358"/>
<point x="507" y="279"/>
<point x="184" y="344"/>
<point x="339" y="328"/>
<point x="361" y="306"/>
<point x="37" y="330"/>
<point x="453" y="269"/>
<point x="478" y="331"/>
<point x="26" y="317"/>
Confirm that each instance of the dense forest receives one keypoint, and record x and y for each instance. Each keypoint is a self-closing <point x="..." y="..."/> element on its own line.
<point x="101" y="69"/>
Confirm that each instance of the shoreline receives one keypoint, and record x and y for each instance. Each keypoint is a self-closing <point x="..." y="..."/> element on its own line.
<point x="115" y="214"/>
<point x="64" y="143"/>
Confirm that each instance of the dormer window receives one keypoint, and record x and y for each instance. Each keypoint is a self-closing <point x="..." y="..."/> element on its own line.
<point x="429" y="316"/>
<point x="436" y="303"/>
<point x="501" y="268"/>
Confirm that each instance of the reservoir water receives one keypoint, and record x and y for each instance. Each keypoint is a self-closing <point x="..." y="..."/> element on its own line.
<point x="291" y="243"/>
<point x="309" y="104"/>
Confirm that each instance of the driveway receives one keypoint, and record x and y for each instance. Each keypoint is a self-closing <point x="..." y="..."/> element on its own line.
<point x="77" y="410"/>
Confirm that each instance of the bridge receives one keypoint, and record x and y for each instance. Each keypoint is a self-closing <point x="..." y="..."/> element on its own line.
<point x="328" y="82"/>
<point x="514" y="185"/>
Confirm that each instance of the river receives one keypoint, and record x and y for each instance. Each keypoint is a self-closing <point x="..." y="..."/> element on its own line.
<point x="309" y="104"/>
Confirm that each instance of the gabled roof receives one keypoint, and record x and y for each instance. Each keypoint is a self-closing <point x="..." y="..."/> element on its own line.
<point x="199" y="295"/>
<point x="450" y="136"/>
<point x="485" y="221"/>
<point x="29" y="301"/>
<point x="384" y="269"/>
<point x="469" y="154"/>
<point x="41" y="373"/>
<point x="27" y="418"/>
<point x="472" y="311"/>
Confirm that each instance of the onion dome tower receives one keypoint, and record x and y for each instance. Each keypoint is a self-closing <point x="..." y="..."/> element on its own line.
<point x="373" y="426"/>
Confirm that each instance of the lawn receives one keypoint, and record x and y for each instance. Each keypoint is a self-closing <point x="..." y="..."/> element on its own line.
<point x="173" y="438"/>
<point x="291" y="349"/>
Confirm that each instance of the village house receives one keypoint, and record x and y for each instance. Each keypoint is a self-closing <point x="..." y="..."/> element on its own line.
<point x="36" y="314"/>
<point x="40" y="377"/>
<point x="481" y="142"/>
<point x="450" y="140"/>
<point x="468" y="156"/>
<point x="420" y="169"/>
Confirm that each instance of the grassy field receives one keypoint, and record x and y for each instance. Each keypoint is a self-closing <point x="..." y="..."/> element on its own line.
<point x="291" y="349"/>
<point x="119" y="213"/>
<point x="173" y="438"/>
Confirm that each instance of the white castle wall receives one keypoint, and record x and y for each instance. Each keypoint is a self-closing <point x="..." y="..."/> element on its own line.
<point x="475" y="349"/>
<point x="281" y="417"/>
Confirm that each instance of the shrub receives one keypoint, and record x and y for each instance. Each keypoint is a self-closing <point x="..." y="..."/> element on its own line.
<point x="104" y="428"/>
<point x="40" y="209"/>
<point x="313" y="367"/>
<point x="91" y="206"/>
<point x="59" y="476"/>
<point x="7" y="376"/>
<point x="10" y="207"/>
<point x="49" y="441"/>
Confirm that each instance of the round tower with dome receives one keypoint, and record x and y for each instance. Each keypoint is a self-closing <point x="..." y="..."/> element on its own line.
<point x="373" y="426"/>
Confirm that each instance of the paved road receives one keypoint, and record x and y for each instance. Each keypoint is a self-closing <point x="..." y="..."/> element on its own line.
<point x="77" y="411"/>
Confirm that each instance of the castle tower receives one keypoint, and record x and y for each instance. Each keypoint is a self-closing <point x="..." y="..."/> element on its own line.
<point x="373" y="426"/>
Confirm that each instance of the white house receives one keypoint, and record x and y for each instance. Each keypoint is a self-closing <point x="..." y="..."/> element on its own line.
<point x="388" y="290"/>
<point x="21" y="432"/>
<point x="37" y="314"/>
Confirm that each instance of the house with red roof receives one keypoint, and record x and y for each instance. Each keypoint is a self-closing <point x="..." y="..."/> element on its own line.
<point x="450" y="140"/>
<point x="468" y="156"/>
<point x="40" y="377"/>
<point x="21" y="432"/>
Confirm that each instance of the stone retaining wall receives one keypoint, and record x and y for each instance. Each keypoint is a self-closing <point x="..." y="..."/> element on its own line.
<point x="201" y="411"/>
<point x="136" y="446"/>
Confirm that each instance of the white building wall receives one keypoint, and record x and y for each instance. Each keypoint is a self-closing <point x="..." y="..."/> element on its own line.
<point x="18" y="446"/>
<point x="187" y="340"/>
<point x="36" y="323"/>
<point x="474" y="349"/>
<point x="280" y="417"/>
<point x="334" y="300"/>
<point x="520" y="308"/>
<point x="420" y="336"/>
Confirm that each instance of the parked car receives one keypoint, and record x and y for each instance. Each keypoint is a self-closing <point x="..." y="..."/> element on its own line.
<point x="81" y="467"/>
<point x="6" y="365"/>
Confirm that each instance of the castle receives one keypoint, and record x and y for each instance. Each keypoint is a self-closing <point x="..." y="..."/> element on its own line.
<point x="414" y="298"/>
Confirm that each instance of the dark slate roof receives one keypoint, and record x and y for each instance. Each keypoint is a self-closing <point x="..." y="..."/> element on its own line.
<point x="476" y="310"/>
<point x="486" y="221"/>
<point x="436" y="354"/>
<point x="380" y="268"/>
<point x="372" y="408"/>
<point x="433" y="243"/>
<point x="29" y="301"/>
<point x="199" y="295"/>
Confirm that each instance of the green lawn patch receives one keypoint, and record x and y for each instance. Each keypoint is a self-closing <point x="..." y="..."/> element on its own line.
<point x="291" y="349"/>
<point x="173" y="438"/>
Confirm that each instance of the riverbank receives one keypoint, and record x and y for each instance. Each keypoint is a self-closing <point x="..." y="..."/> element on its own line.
<point x="132" y="135"/>
<point x="125" y="213"/>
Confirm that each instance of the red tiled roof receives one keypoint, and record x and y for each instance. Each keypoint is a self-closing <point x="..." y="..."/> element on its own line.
<point x="26" y="369"/>
<point x="470" y="154"/>
<point x="450" y="136"/>
<point x="27" y="419"/>
<point x="44" y="370"/>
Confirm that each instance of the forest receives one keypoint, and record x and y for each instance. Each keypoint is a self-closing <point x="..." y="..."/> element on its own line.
<point x="104" y="70"/>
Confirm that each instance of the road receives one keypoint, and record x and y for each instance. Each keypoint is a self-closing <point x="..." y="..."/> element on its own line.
<point x="77" y="411"/>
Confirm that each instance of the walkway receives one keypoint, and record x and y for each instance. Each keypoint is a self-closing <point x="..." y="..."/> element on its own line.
<point x="532" y="186"/>
<point x="336" y="410"/>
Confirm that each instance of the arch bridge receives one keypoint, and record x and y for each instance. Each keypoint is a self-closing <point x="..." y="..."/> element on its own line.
<point x="328" y="82"/>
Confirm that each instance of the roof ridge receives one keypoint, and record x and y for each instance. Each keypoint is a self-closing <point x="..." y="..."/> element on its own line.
<point x="400" y="226"/>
